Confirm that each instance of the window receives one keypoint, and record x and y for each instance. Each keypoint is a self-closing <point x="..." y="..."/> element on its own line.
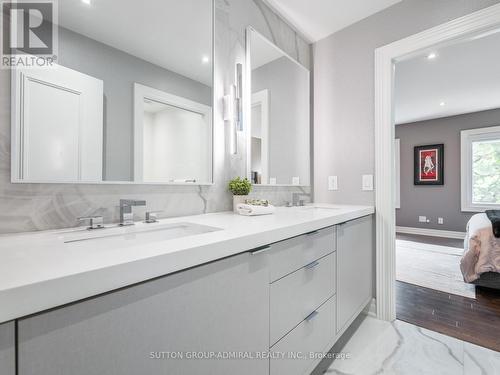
<point x="480" y="167"/>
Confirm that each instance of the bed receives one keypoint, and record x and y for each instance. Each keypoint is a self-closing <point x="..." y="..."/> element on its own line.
<point x="480" y="263"/>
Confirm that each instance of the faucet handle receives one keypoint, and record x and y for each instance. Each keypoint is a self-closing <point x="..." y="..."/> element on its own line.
<point x="96" y="221"/>
<point x="152" y="216"/>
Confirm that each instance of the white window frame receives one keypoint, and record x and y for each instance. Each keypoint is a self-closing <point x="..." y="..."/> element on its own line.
<point x="467" y="137"/>
<point x="397" y="172"/>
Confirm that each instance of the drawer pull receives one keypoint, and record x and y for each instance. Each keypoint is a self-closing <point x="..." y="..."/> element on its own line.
<point x="311" y="265"/>
<point x="312" y="233"/>
<point x="260" y="250"/>
<point x="311" y="316"/>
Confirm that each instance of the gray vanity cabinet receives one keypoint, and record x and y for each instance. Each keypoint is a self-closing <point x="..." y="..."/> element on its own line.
<point x="7" y="349"/>
<point x="157" y="327"/>
<point x="354" y="269"/>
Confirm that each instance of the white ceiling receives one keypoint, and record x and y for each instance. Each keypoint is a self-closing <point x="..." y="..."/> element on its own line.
<point x="317" y="19"/>
<point x="172" y="34"/>
<point x="464" y="76"/>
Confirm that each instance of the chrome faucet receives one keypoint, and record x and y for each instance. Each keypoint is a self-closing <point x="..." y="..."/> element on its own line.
<point x="126" y="214"/>
<point x="95" y="221"/>
<point x="296" y="201"/>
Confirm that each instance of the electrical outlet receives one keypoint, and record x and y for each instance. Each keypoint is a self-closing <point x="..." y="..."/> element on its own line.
<point x="440" y="220"/>
<point x="422" y="219"/>
<point x="295" y="180"/>
<point x="333" y="183"/>
<point x="367" y="182"/>
<point x="272" y="180"/>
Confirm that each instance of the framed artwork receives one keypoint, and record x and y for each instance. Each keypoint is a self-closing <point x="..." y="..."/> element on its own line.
<point x="429" y="165"/>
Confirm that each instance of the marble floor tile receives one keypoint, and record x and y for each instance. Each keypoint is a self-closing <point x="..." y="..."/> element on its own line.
<point x="432" y="266"/>
<point x="480" y="361"/>
<point x="399" y="348"/>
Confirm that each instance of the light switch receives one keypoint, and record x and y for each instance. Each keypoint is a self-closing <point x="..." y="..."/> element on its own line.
<point x="295" y="180"/>
<point x="333" y="183"/>
<point x="367" y="182"/>
<point x="440" y="220"/>
<point x="272" y="180"/>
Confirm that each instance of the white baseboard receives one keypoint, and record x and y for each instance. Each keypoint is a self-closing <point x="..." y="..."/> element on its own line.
<point x="431" y="232"/>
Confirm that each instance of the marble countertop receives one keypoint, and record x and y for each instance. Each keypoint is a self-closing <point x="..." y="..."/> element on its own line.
<point x="39" y="270"/>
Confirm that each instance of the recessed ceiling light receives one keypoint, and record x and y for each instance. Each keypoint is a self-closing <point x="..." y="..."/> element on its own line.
<point x="442" y="104"/>
<point x="431" y="56"/>
<point x="205" y="59"/>
<point x="86" y="2"/>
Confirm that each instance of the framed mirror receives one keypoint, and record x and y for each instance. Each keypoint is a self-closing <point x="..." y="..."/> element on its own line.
<point x="278" y="115"/>
<point x="129" y="99"/>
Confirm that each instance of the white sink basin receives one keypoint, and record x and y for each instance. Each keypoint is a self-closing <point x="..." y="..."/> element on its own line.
<point x="150" y="233"/>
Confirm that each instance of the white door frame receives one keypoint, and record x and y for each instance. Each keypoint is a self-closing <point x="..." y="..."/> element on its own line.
<point x="142" y="92"/>
<point x="262" y="98"/>
<point x="385" y="59"/>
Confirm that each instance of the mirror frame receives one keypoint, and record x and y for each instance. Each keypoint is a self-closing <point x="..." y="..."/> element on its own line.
<point x="247" y="105"/>
<point x="15" y="118"/>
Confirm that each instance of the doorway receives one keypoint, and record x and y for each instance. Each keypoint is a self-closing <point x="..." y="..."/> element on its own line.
<point x="385" y="59"/>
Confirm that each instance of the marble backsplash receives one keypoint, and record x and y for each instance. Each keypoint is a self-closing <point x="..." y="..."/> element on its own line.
<point x="30" y="207"/>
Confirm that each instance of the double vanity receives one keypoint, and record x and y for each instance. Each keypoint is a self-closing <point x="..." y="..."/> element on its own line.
<point x="126" y="110"/>
<point x="165" y="103"/>
<point x="207" y="294"/>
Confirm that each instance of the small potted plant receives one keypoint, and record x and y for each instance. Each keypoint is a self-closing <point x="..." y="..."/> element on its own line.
<point x="240" y="187"/>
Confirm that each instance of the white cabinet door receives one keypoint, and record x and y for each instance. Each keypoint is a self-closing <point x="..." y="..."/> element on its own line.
<point x="57" y="132"/>
<point x="164" y="326"/>
<point x="7" y="349"/>
<point x="354" y="269"/>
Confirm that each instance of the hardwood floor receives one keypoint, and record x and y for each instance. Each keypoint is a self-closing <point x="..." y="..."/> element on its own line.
<point x="473" y="320"/>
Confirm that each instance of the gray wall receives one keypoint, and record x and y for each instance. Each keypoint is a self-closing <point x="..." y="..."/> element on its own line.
<point x="27" y="207"/>
<point x="436" y="201"/>
<point x="344" y="91"/>
<point x="120" y="71"/>
<point x="289" y="121"/>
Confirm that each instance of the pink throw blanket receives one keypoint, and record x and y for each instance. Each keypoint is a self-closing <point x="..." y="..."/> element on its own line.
<point x="482" y="249"/>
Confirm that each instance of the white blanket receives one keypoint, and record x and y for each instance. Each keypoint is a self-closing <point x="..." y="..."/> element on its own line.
<point x="476" y="223"/>
<point x="482" y="249"/>
<point x="251" y="210"/>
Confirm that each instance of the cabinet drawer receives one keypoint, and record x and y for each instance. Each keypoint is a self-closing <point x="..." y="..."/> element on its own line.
<point x="290" y="255"/>
<point x="313" y="335"/>
<point x="295" y="296"/>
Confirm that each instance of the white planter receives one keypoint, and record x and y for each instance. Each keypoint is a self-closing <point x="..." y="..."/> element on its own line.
<point x="237" y="199"/>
